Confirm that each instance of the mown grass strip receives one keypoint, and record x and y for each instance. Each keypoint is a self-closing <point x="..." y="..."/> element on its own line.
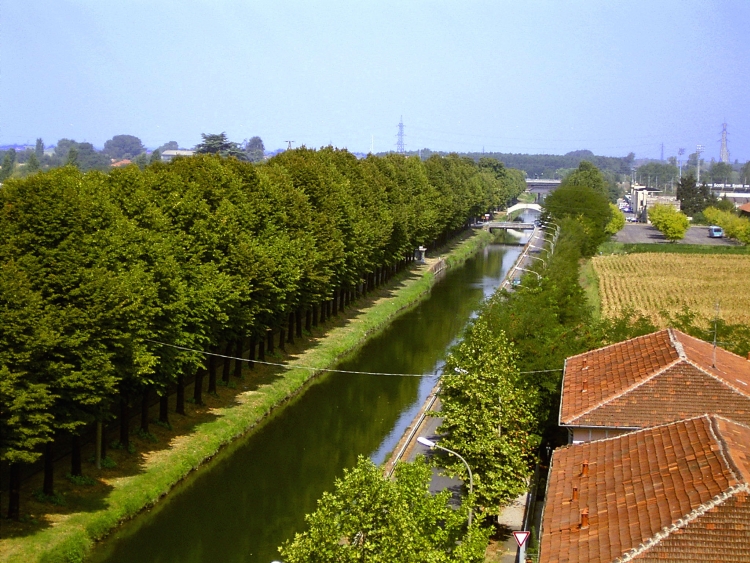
<point x="70" y="540"/>
<point x="589" y="281"/>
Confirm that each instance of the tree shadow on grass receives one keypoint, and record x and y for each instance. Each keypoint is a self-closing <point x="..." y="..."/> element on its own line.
<point x="39" y="513"/>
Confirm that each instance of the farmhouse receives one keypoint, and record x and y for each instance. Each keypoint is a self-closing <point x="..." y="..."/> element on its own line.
<point x="653" y="379"/>
<point x="675" y="492"/>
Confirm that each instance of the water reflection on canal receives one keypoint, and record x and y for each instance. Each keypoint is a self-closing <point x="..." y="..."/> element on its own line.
<point x="241" y="507"/>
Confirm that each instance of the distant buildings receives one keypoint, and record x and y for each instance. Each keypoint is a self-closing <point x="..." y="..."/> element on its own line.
<point x="170" y="154"/>
<point x="642" y="198"/>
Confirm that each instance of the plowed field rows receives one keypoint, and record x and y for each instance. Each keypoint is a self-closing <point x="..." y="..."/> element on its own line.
<point x="652" y="282"/>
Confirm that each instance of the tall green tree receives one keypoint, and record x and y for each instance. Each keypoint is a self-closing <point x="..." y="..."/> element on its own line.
<point x="693" y="198"/>
<point x="123" y="146"/>
<point x="721" y="173"/>
<point x="745" y="173"/>
<point x="657" y="174"/>
<point x="371" y="518"/>
<point x="488" y="417"/>
<point x="32" y="165"/>
<point x="255" y="149"/>
<point x="171" y="145"/>
<point x="584" y="202"/>
<point x="218" y="143"/>
<point x="587" y="175"/>
<point x="39" y="148"/>
<point x="9" y="163"/>
<point x="26" y="337"/>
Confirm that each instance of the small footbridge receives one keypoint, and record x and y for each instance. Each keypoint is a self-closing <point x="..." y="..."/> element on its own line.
<point x="518" y="206"/>
<point x="515" y="225"/>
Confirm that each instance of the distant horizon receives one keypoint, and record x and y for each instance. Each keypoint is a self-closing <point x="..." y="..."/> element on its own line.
<point x="48" y="146"/>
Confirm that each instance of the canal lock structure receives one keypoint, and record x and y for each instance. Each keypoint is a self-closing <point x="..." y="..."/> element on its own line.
<point x="255" y="494"/>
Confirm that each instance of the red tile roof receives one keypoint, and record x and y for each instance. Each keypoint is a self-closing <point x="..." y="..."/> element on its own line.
<point x="653" y="379"/>
<point x="676" y="492"/>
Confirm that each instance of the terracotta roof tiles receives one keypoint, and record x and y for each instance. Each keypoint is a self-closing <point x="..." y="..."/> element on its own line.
<point x="642" y="382"/>
<point x="652" y="493"/>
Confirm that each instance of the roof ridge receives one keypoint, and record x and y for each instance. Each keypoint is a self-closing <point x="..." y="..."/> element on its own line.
<point x="626" y="390"/>
<point x="709" y="343"/>
<point x="723" y="448"/>
<point x="677" y="344"/>
<point x="666" y="531"/>
<point x="618" y="343"/>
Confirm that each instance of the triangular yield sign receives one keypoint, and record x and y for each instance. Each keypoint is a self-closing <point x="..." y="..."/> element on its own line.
<point x="521" y="537"/>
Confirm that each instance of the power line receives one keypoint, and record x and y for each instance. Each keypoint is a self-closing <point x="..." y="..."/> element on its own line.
<point x="331" y="370"/>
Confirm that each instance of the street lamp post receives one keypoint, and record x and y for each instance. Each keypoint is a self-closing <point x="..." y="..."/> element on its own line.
<point x="532" y="271"/>
<point x="537" y="258"/>
<point x="431" y="444"/>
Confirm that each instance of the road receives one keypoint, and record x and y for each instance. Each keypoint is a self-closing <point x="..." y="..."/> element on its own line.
<point x="634" y="233"/>
<point x="510" y="519"/>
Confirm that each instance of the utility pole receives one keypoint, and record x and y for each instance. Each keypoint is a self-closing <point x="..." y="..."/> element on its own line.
<point x="288" y="145"/>
<point x="662" y="152"/>
<point x="680" y="152"/>
<point x="698" y="151"/>
<point x="400" y="137"/>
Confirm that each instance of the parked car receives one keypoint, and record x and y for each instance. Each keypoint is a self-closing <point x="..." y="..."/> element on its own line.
<point x="715" y="232"/>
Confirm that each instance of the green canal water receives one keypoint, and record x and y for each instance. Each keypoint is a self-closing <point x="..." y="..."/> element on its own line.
<point x="254" y="497"/>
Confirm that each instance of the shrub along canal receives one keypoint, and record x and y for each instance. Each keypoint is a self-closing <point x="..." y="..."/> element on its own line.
<point x="255" y="495"/>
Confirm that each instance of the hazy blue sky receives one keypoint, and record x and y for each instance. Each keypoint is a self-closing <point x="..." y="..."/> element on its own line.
<point x="549" y="76"/>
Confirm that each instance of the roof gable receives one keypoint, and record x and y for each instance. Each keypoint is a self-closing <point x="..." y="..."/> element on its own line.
<point x="643" y="487"/>
<point x="599" y="375"/>
<point x="641" y="382"/>
<point x="678" y="392"/>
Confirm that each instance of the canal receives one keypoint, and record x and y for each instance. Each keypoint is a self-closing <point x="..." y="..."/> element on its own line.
<point x="254" y="496"/>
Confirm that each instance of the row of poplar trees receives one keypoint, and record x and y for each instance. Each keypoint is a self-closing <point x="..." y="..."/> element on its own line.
<point x="205" y="253"/>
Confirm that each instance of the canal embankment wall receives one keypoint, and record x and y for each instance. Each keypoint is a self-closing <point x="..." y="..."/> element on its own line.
<point x="406" y="443"/>
<point x="70" y="538"/>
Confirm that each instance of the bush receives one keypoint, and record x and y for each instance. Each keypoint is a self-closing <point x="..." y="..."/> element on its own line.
<point x="734" y="227"/>
<point x="672" y="224"/>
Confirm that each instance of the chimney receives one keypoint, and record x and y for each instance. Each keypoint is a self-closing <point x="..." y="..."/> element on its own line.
<point x="585" y="468"/>
<point x="584" y="519"/>
<point x="575" y="493"/>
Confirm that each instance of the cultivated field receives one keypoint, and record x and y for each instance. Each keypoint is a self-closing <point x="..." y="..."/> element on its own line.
<point x="652" y="282"/>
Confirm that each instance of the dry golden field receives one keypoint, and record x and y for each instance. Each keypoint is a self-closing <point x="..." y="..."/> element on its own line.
<point x="652" y="282"/>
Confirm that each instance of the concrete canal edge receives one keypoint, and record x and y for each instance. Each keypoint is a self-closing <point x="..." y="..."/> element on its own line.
<point x="70" y="539"/>
<point x="514" y="516"/>
<point x="406" y="443"/>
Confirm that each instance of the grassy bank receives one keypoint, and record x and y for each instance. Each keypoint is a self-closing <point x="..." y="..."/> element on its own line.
<point x="468" y="247"/>
<point x="590" y="284"/>
<point x="70" y="538"/>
